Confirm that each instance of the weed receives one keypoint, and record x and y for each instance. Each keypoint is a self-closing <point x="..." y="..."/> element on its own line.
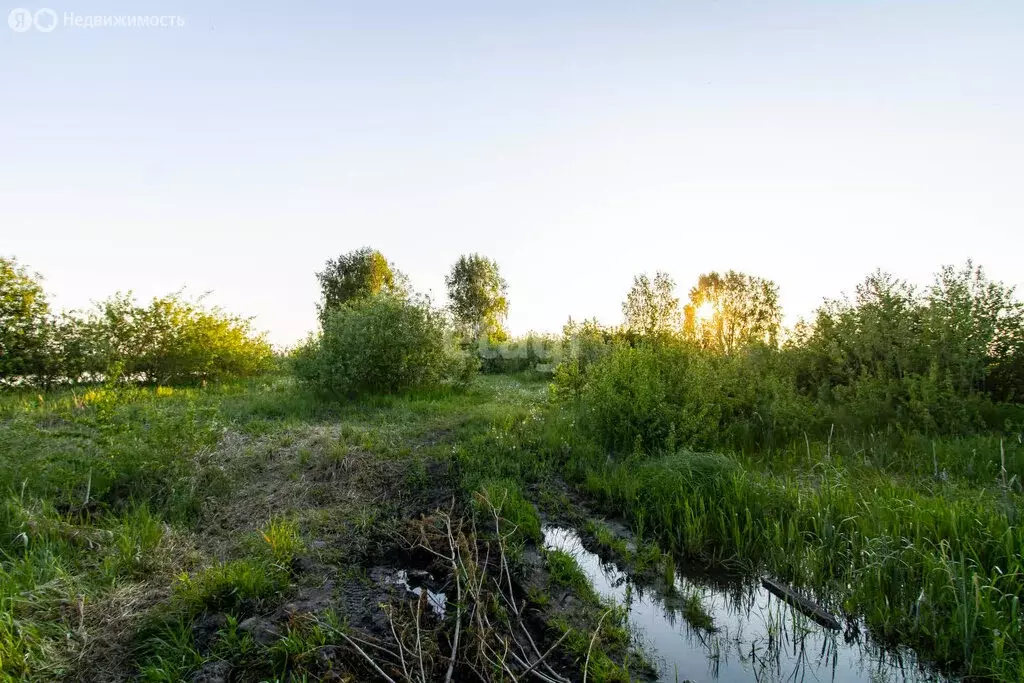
<point x="136" y="537"/>
<point x="229" y="586"/>
<point x="566" y="572"/>
<point x="606" y="538"/>
<point x="283" y="540"/>
<point x="168" y="653"/>
<point x="593" y="641"/>
<point x="507" y="502"/>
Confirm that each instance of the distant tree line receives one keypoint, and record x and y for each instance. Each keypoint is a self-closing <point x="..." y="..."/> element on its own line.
<point x="170" y="340"/>
<point x="938" y="359"/>
<point x="720" y="370"/>
<point x="948" y="358"/>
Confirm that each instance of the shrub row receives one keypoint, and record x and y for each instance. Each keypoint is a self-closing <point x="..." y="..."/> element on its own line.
<point x="171" y="340"/>
<point x="888" y="361"/>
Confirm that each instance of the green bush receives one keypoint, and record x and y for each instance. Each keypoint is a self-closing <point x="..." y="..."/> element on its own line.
<point x="382" y="344"/>
<point x="170" y="341"/>
<point x="893" y="358"/>
<point x="661" y="397"/>
<point x="889" y="362"/>
<point x="25" y="323"/>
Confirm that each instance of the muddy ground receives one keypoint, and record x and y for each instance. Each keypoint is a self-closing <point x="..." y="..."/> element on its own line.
<point x="375" y="592"/>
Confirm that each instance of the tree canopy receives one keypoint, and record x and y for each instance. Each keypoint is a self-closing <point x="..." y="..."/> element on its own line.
<point x="357" y="274"/>
<point x="478" y="294"/>
<point x="728" y="312"/>
<point x="651" y="306"/>
<point x="24" y="320"/>
<point x="962" y="335"/>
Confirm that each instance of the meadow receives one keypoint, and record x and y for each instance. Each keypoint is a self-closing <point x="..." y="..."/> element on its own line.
<point x="370" y="505"/>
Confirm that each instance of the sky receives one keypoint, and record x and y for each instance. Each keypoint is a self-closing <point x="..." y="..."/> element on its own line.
<point x="576" y="142"/>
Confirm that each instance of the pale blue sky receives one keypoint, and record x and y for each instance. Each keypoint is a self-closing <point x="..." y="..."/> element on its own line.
<point x="577" y="143"/>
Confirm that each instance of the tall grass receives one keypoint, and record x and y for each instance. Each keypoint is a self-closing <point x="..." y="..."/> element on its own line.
<point x="942" y="571"/>
<point x="875" y="458"/>
<point x="91" y="483"/>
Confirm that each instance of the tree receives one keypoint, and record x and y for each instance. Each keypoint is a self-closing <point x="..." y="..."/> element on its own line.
<point x="876" y="333"/>
<point x="728" y="312"/>
<point x="25" y="323"/>
<point x="974" y="331"/>
<point x="357" y="274"/>
<point x="478" y="295"/>
<point x="893" y="355"/>
<point x="651" y="307"/>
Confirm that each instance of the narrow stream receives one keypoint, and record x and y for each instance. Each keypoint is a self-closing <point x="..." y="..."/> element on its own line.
<point x="757" y="637"/>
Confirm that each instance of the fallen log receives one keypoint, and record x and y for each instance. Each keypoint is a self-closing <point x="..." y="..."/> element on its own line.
<point x="808" y="607"/>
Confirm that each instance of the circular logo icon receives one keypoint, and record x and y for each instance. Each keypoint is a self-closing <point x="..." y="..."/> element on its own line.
<point x="20" y="19"/>
<point x="45" y="20"/>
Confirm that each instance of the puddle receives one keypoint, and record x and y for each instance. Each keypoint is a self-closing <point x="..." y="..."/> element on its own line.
<point x="758" y="637"/>
<point x="437" y="601"/>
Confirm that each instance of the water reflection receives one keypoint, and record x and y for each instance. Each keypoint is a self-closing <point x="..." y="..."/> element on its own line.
<point x="756" y="637"/>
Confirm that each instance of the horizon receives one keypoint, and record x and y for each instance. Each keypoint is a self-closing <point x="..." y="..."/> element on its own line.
<point x="577" y="145"/>
<point x="789" y="320"/>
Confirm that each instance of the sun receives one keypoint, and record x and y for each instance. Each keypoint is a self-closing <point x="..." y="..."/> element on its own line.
<point x="705" y="312"/>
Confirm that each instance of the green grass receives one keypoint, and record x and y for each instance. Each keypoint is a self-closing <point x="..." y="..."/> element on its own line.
<point x="565" y="571"/>
<point x="941" y="570"/>
<point x="168" y="653"/>
<point x="605" y="538"/>
<point x="106" y="489"/>
<point x="518" y="515"/>
<point x="135" y="539"/>
<point x="920" y="537"/>
<point x="300" y="642"/>
<point x="283" y="541"/>
<point x="226" y="586"/>
<point x="593" y="638"/>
